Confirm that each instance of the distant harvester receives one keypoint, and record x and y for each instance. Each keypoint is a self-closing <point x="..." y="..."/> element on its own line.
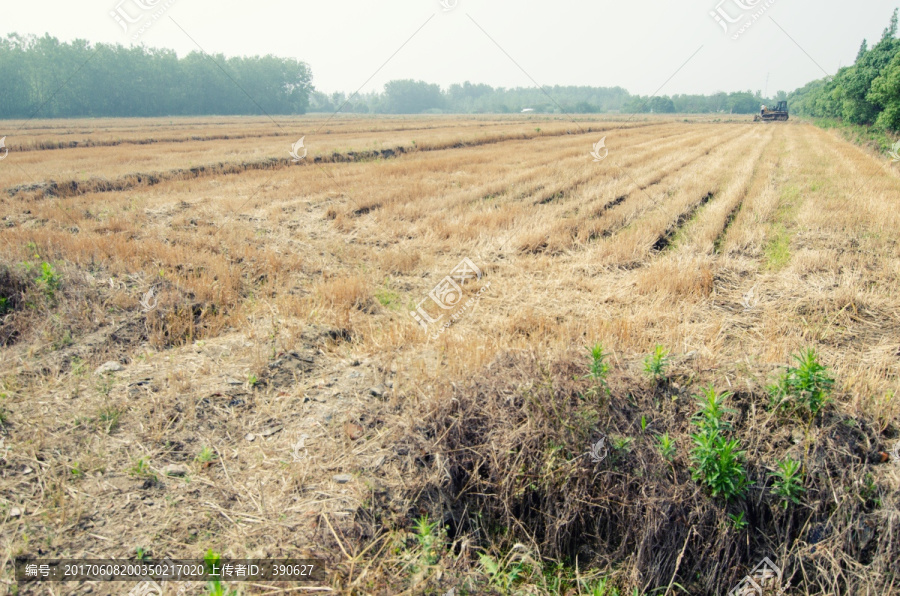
<point x="779" y="113"/>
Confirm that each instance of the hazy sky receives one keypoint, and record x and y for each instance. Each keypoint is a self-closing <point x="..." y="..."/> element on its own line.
<point x="638" y="45"/>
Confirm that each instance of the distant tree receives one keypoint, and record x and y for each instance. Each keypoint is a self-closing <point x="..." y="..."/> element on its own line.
<point x="661" y="105"/>
<point x="412" y="97"/>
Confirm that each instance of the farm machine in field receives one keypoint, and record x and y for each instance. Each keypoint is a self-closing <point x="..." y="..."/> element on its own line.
<point x="780" y="112"/>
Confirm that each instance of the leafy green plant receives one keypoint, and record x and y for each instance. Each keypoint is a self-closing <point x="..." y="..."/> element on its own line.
<point x="788" y="482"/>
<point x="5" y="306"/>
<point x="603" y="587"/>
<point x="206" y="455"/>
<point x="656" y="363"/>
<point x="666" y="446"/>
<point x="501" y="574"/>
<point x="622" y="443"/>
<point x="76" y="470"/>
<point x="429" y="539"/>
<point x="712" y="410"/>
<point x="717" y="463"/>
<point x="213" y="563"/>
<point x="141" y="554"/>
<point x="803" y="388"/>
<point x="717" y="460"/>
<point x="252" y="380"/>
<point x="737" y="521"/>
<point x="48" y="280"/>
<point x="599" y="368"/>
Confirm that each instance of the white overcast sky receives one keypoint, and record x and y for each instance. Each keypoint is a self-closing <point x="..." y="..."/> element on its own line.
<point x="638" y="45"/>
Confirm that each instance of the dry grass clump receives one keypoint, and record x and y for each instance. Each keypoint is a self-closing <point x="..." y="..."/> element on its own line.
<point x="677" y="276"/>
<point x="344" y="293"/>
<point x="400" y="262"/>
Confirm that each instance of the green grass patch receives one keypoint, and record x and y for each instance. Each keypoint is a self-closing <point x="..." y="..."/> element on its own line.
<point x="778" y="244"/>
<point x="388" y="298"/>
<point x="778" y="248"/>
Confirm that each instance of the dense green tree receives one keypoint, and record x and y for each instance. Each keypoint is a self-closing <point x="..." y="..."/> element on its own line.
<point x="39" y="76"/>
<point x="867" y="93"/>
<point x="412" y="97"/>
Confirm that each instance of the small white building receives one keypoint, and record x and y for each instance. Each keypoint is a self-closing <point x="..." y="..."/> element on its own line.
<point x="527" y="110"/>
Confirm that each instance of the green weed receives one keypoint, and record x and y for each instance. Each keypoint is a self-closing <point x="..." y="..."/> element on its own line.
<point x="48" y="280"/>
<point x="213" y="563"/>
<point x="387" y="298"/>
<point x="666" y="446"/>
<point x="717" y="460"/>
<point x="206" y="455"/>
<point x="803" y="388"/>
<point x="656" y="363"/>
<point x="788" y="482"/>
<point x="598" y="368"/>
<point x="430" y="543"/>
<point x="737" y="521"/>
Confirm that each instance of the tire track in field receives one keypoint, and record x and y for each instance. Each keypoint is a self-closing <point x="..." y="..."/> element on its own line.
<point x="737" y="188"/>
<point x="563" y="190"/>
<point x="752" y="182"/>
<point x="665" y="239"/>
<point x="626" y="219"/>
<point x="659" y="145"/>
<point x="664" y="218"/>
<point x="555" y="192"/>
<point x="588" y="229"/>
<point x="702" y="227"/>
<point x="565" y="233"/>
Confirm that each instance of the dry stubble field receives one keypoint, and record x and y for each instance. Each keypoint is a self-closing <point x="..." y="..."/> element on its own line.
<point x="274" y="398"/>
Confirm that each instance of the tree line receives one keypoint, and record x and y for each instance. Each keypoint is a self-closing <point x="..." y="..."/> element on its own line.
<point x="866" y="93"/>
<point x="42" y="77"/>
<point x="46" y="78"/>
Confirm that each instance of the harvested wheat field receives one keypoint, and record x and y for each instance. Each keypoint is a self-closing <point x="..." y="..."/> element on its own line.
<point x="453" y="355"/>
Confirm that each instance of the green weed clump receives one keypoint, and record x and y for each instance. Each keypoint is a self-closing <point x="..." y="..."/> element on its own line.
<point x="656" y="363"/>
<point x="717" y="459"/>
<point x="788" y="482"/>
<point x="805" y="388"/>
<point x="598" y="368"/>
